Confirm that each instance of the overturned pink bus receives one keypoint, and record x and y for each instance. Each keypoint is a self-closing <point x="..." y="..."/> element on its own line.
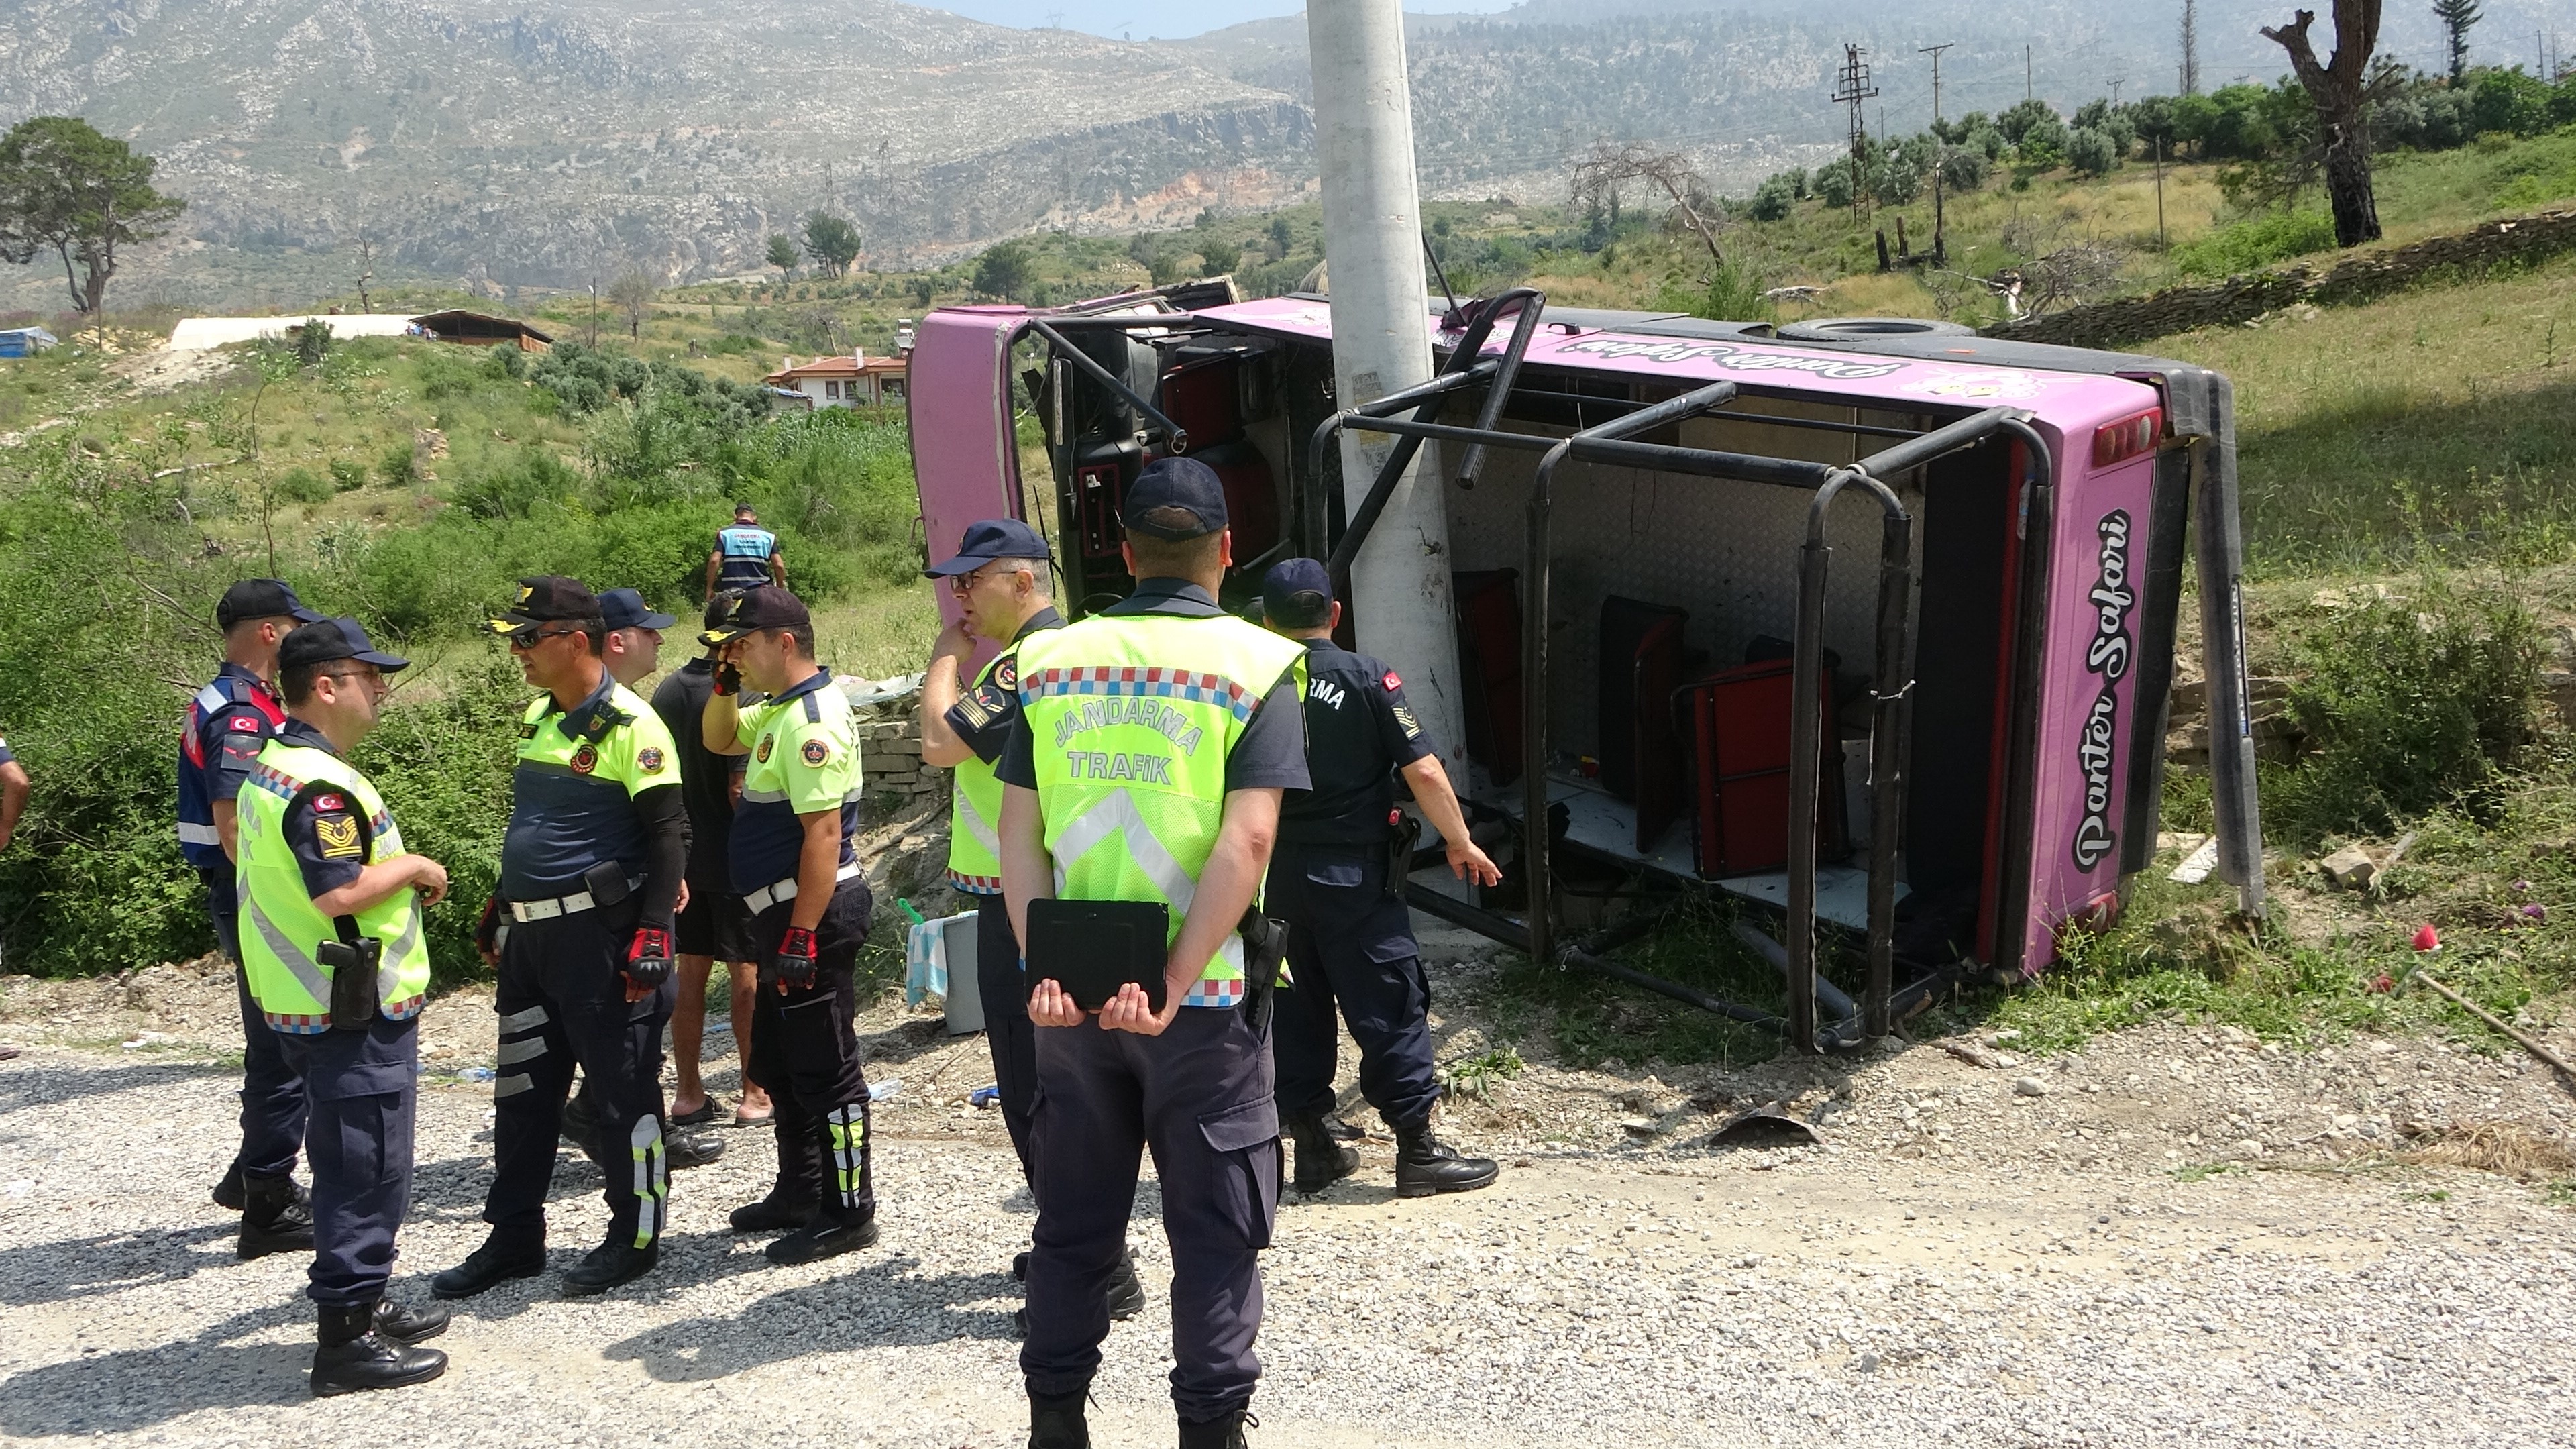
<point x="1666" y="532"/>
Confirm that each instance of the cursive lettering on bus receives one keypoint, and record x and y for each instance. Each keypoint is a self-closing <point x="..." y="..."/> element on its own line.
<point x="2113" y="600"/>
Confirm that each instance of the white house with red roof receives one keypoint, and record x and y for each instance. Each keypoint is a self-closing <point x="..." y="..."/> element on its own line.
<point x="845" y="380"/>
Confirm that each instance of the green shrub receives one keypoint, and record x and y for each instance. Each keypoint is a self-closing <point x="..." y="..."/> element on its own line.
<point x="303" y="485"/>
<point x="443" y="766"/>
<point x="348" y="475"/>
<point x="2250" y="245"/>
<point x="395" y="468"/>
<point x="2407" y="705"/>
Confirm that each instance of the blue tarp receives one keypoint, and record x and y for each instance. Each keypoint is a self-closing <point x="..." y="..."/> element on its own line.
<point x="25" y="341"/>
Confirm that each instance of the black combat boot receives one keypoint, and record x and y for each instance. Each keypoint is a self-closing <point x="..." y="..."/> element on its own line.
<point x="1126" y="1290"/>
<point x="276" y="1218"/>
<point x="1321" y="1161"/>
<point x="1426" y="1166"/>
<point x="351" y="1355"/>
<point x="611" y="1263"/>
<point x="1058" y="1423"/>
<point x="1341" y="1129"/>
<point x="229" y="1194"/>
<point x="832" y="1232"/>
<point x="488" y="1266"/>
<point x="408" y="1325"/>
<point x="1222" y="1432"/>
<point x="780" y="1212"/>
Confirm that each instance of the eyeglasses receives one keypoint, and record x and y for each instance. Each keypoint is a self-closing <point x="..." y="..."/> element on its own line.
<point x="965" y="583"/>
<point x="531" y="636"/>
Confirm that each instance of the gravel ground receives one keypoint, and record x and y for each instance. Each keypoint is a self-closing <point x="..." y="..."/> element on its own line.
<point x="2174" y="1236"/>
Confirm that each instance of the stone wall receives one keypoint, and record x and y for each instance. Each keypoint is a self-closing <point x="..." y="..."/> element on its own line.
<point x="890" y="750"/>
<point x="2358" y="278"/>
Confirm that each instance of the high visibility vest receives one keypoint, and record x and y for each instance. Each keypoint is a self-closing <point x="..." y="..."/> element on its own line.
<point x="744" y="556"/>
<point x="280" y="926"/>
<point x="1131" y="718"/>
<point x="975" y="818"/>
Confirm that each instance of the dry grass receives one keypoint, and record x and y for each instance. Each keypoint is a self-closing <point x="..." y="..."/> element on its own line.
<point x="2507" y="1148"/>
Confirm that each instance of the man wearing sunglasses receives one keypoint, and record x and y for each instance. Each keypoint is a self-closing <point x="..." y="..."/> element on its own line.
<point x="580" y="934"/>
<point x="999" y="578"/>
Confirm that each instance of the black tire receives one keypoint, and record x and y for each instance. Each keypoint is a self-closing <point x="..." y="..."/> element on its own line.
<point x="1861" y="329"/>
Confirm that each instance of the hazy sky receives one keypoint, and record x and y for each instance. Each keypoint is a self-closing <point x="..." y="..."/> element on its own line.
<point x="1170" y="19"/>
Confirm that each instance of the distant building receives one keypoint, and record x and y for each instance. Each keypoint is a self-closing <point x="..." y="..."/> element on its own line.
<point x="198" y="334"/>
<point x="25" y="341"/>
<point x="846" y="380"/>
<point x="479" y="329"/>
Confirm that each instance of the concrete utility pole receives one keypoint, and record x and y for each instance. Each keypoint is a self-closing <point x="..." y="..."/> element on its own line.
<point x="1400" y="604"/>
<point x="1940" y="157"/>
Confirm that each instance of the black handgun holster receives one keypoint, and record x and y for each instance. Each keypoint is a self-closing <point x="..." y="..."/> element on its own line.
<point x="1265" y="947"/>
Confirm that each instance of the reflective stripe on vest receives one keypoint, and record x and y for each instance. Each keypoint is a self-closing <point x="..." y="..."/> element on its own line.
<point x="974" y="830"/>
<point x="292" y="988"/>
<point x="1130" y="755"/>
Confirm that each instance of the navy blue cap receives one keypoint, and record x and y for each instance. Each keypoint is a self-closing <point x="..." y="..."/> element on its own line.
<point x="1185" y="484"/>
<point x="1297" y="592"/>
<point x="626" y="609"/>
<point x="766" y="607"/>
<point x="325" y="641"/>
<point x="261" y="599"/>
<point x="986" y="540"/>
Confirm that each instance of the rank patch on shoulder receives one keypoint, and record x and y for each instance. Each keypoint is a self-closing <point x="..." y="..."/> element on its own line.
<point x="585" y="760"/>
<point x="329" y="801"/>
<point x="817" y="751"/>
<point x="339" y="837"/>
<point x="972" y="707"/>
<point x="1392" y="683"/>
<point x="1405" y="718"/>
<point x="762" y="754"/>
<point x="649" y="759"/>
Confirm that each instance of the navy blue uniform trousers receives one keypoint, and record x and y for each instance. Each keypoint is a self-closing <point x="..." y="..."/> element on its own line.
<point x="562" y="1001"/>
<point x="1013" y="1038"/>
<point x="361" y="1088"/>
<point x="805" y="1050"/>
<point x="1199" y="1096"/>
<point x="1351" y="944"/>
<point x="272" y="1092"/>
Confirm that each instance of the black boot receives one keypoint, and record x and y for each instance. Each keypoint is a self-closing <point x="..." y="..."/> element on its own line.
<point x="580" y="1122"/>
<point x="776" y="1213"/>
<point x="1222" y="1432"/>
<point x="1426" y="1166"/>
<point x="833" y="1231"/>
<point x="1340" y="1129"/>
<point x="611" y="1263"/>
<point x="276" y="1218"/>
<point x="350" y="1355"/>
<point x="1321" y="1161"/>
<point x="408" y="1325"/>
<point x="1126" y="1290"/>
<point x="229" y="1193"/>
<point x="1058" y="1423"/>
<point x="488" y="1266"/>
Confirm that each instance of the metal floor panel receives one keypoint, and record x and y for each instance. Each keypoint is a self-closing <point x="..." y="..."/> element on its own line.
<point x="1601" y="823"/>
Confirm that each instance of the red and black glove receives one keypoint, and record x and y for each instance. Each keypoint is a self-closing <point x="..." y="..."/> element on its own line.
<point x="648" y="958"/>
<point x="795" y="960"/>
<point x="487" y="933"/>
<point x="728" y="679"/>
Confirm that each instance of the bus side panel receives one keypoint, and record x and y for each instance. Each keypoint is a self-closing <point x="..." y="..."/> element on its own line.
<point x="2089" y="692"/>
<point x="965" y="452"/>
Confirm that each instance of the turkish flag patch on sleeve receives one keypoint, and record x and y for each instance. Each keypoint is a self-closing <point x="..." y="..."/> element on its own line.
<point x="1392" y="683"/>
<point x="327" y="801"/>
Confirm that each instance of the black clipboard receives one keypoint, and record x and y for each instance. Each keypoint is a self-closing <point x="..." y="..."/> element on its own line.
<point x="1092" y="948"/>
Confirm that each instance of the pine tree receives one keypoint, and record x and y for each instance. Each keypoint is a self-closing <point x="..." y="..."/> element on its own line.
<point x="2456" y="17"/>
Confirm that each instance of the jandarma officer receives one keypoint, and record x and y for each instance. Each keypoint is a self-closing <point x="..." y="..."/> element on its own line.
<point x="1350" y="936"/>
<point x="1153" y="743"/>
<point x="581" y="932"/>
<point x="999" y="578"/>
<point x="745" y="556"/>
<point x="228" y="721"/>
<point x="338" y="967"/>
<point x="795" y="863"/>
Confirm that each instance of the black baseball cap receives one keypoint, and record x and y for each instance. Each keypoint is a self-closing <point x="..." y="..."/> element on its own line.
<point x="546" y="598"/>
<point x="1185" y="484"/>
<point x="325" y="641"/>
<point x="1297" y="592"/>
<point x="261" y="599"/>
<point x="766" y="607"/>
<point x="986" y="540"/>
<point x="626" y="609"/>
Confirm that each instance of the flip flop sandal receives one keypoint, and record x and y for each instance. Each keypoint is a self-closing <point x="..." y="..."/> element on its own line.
<point x="705" y="1113"/>
<point x="742" y="1118"/>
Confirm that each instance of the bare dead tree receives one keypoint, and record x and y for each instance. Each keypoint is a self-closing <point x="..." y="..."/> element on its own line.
<point x="1608" y="166"/>
<point x="2340" y="91"/>
<point x="366" y="270"/>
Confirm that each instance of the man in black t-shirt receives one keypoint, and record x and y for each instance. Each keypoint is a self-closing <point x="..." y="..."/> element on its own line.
<point x="713" y="926"/>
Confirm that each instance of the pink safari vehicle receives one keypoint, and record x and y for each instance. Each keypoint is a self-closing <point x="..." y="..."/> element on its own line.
<point x="1966" y="555"/>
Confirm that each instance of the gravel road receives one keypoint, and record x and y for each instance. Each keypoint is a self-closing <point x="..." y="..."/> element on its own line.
<point x="1961" y="1263"/>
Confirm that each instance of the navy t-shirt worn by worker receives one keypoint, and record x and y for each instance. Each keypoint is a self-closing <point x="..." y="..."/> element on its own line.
<point x="1359" y="732"/>
<point x="573" y="792"/>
